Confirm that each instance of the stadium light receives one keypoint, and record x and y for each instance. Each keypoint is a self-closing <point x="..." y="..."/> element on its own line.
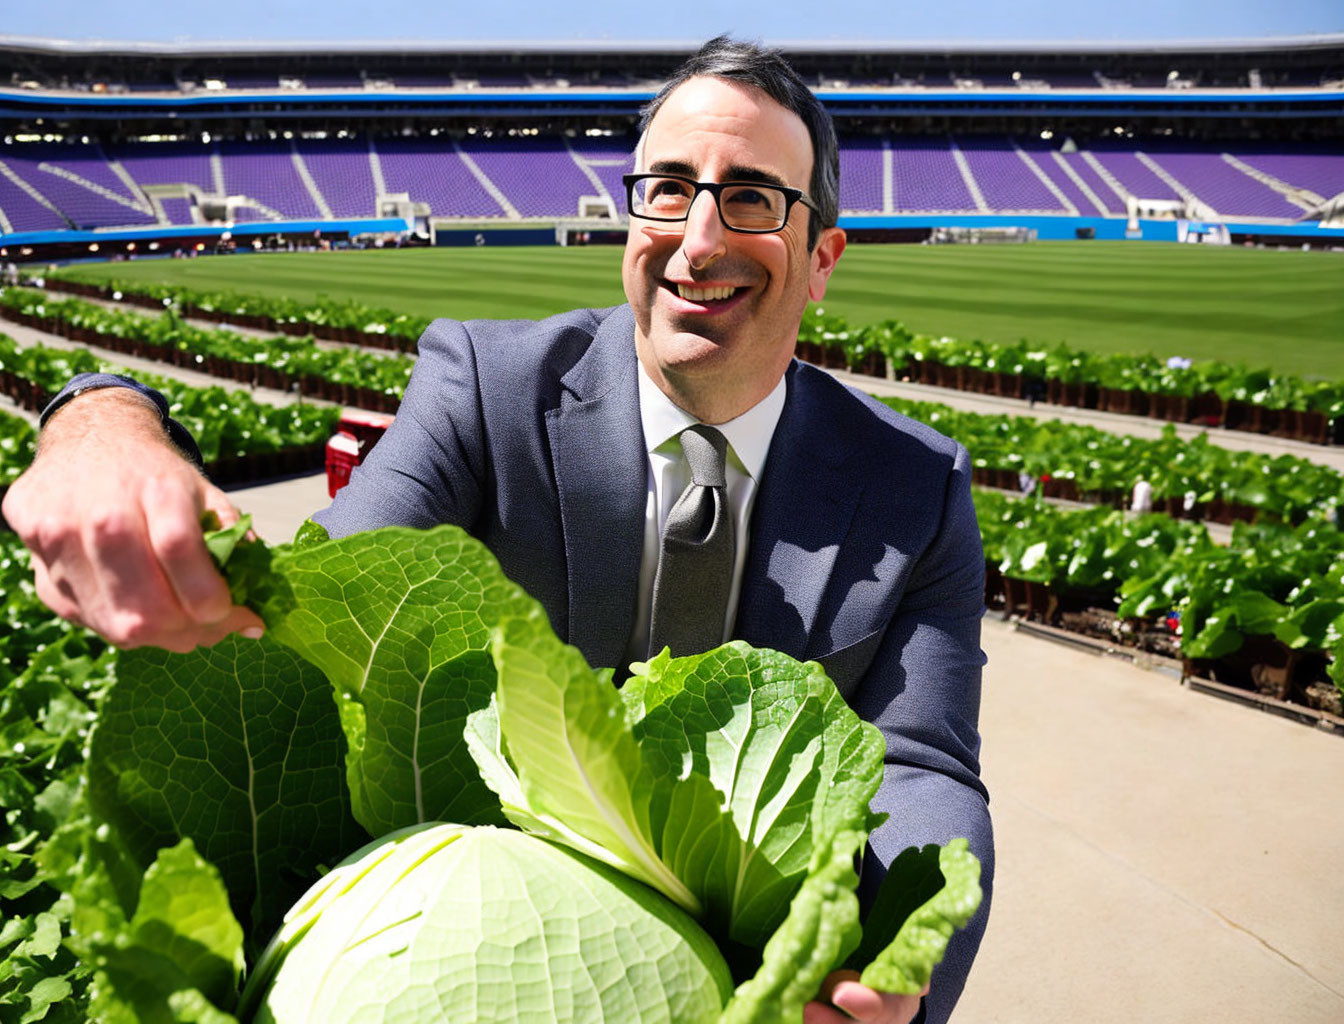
<point x="93" y="247"/>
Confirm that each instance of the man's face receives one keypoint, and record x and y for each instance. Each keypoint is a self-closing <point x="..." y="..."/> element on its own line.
<point x="716" y="311"/>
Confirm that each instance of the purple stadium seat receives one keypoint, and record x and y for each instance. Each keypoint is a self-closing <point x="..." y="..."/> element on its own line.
<point x="1228" y="190"/>
<point x="861" y="174"/>
<point x="1113" y="203"/>
<point x="25" y="213"/>
<point x="538" y="176"/>
<point x="340" y="168"/>
<point x="1005" y="181"/>
<point x="167" y="163"/>
<point x="264" y="171"/>
<point x="77" y="180"/>
<point x="1043" y="156"/>
<point x="926" y="176"/>
<point x="431" y="172"/>
<point x="1321" y="171"/>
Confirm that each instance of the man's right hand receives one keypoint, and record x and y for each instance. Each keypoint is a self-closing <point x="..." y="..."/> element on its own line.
<point x="112" y="514"/>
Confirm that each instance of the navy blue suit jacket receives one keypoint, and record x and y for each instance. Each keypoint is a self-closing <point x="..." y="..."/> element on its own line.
<point x="864" y="550"/>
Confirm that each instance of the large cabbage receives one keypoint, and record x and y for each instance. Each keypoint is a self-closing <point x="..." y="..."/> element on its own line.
<point x="446" y="922"/>
<point x="727" y="792"/>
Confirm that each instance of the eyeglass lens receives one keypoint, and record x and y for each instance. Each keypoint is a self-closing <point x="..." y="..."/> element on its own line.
<point x="750" y="207"/>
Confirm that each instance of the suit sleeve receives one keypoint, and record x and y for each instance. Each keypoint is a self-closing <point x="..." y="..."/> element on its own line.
<point x="430" y="466"/>
<point x="923" y="691"/>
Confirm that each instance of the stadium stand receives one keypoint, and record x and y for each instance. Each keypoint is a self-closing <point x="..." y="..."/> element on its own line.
<point x="1056" y="139"/>
<point x="343" y="175"/>
<point x="430" y="171"/>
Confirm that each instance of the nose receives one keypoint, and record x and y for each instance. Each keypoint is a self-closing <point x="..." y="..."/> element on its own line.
<point x="703" y="239"/>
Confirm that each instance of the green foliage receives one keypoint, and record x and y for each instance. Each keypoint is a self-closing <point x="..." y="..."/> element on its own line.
<point x="164" y="335"/>
<point x="51" y="677"/>
<point x="225" y="424"/>
<point x="1270" y="580"/>
<point x="739" y="775"/>
<point x="1104" y="466"/>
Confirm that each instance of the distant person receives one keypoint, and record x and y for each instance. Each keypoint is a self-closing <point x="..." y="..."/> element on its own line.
<point x="837" y="529"/>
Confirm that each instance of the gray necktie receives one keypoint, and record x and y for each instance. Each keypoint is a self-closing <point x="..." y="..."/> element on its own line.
<point x="695" y="565"/>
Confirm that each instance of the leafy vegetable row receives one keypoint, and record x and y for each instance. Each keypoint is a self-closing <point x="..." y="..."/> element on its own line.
<point x="239" y="437"/>
<point x="329" y="319"/>
<point x="1081" y="462"/>
<point x="1212" y="391"/>
<point x="349" y="375"/>
<point x="1271" y="581"/>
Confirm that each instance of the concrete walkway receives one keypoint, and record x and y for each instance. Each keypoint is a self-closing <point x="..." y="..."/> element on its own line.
<point x="1164" y="856"/>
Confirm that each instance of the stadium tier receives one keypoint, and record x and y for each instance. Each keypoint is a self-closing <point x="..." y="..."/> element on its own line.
<point x="45" y="186"/>
<point x="1065" y="141"/>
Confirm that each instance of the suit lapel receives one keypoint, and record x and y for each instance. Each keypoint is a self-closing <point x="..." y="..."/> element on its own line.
<point x="802" y="515"/>
<point x="596" y="442"/>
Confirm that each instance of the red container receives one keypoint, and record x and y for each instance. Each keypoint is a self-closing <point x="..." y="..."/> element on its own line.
<point x="343" y="452"/>
<point x="357" y="433"/>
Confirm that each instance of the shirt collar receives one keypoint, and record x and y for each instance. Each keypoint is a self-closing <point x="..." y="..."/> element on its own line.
<point x="748" y="435"/>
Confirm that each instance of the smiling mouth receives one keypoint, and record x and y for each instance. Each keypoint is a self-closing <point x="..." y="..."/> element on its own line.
<point x="708" y="293"/>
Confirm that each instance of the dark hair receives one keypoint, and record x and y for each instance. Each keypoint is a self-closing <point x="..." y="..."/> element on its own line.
<point x="769" y="72"/>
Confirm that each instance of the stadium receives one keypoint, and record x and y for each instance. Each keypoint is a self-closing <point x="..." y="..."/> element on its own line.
<point x="1114" y="272"/>
<point x="150" y="148"/>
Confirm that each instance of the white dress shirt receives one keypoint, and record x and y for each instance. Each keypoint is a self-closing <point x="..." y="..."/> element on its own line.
<point x="748" y="444"/>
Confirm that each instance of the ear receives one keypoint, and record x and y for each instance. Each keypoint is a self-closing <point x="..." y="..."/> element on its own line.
<point x="824" y="257"/>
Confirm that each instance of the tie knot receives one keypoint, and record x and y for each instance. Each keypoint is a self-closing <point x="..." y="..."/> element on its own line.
<point x="706" y="451"/>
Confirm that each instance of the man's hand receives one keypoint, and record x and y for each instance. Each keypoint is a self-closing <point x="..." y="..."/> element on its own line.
<point x="112" y="514"/>
<point x="858" y="1002"/>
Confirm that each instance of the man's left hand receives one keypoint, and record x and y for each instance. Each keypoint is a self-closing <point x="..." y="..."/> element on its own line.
<point x="849" y="1000"/>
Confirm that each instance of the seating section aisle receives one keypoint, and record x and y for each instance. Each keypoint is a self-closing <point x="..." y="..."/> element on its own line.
<point x="264" y="172"/>
<point x="1321" y="172"/>
<point x="51" y="186"/>
<point x="167" y="163"/>
<point x="430" y="171"/>
<point x="927" y="178"/>
<point x="1005" y="181"/>
<point x="341" y="170"/>
<point x="78" y="181"/>
<point x="539" y="176"/>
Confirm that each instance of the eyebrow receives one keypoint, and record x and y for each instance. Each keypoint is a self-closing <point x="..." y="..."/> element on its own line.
<point x="736" y="172"/>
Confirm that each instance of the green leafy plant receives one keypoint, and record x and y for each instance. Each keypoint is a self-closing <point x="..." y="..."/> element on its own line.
<point x="736" y="782"/>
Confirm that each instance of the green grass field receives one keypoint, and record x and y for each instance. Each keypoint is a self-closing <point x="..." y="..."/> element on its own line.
<point x="1284" y="309"/>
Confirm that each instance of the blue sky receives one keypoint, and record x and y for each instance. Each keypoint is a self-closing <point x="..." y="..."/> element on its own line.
<point x="771" y="21"/>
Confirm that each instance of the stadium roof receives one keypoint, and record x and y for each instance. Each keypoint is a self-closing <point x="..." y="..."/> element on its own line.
<point x="246" y="47"/>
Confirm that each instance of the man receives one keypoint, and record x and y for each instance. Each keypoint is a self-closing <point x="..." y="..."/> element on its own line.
<point x="564" y="445"/>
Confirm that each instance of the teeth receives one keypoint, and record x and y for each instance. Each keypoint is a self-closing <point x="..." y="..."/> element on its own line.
<point x="705" y="294"/>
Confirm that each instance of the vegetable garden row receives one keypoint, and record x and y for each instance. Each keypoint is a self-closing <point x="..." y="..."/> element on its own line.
<point x="240" y="438"/>
<point x="346" y="375"/>
<point x="1256" y="399"/>
<point x="1264" y="613"/>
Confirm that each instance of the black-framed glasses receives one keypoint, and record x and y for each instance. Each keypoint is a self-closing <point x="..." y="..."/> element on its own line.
<point x="751" y="207"/>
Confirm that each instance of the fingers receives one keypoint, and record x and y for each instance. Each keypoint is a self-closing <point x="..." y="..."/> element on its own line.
<point x="851" y="1001"/>
<point x="124" y="555"/>
<point x="172" y="518"/>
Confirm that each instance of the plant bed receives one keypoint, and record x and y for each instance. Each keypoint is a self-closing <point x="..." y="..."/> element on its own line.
<point x="1264" y="665"/>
